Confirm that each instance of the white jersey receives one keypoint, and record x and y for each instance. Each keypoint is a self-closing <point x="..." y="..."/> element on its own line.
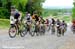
<point x="50" y="21"/>
<point x="12" y="20"/>
<point x="30" y="18"/>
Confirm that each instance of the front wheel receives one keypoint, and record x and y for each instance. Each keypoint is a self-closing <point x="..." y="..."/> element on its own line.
<point x="12" y="31"/>
<point x="58" y="32"/>
<point x="23" y="33"/>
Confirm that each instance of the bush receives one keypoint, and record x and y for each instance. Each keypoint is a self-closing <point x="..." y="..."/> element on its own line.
<point x="4" y="13"/>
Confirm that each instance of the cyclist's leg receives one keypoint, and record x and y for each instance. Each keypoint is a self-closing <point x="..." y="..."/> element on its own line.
<point x="17" y="25"/>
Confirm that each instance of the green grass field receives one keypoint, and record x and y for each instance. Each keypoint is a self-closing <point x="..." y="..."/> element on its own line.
<point x="4" y="23"/>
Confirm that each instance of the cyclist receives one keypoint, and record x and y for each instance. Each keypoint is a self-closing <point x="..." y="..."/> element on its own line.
<point x="47" y="22"/>
<point x="28" y="19"/>
<point x="58" y="22"/>
<point x="35" y="19"/>
<point x="53" y="22"/>
<point x="58" y="26"/>
<point x="64" y="25"/>
<point x="15" y="16"/>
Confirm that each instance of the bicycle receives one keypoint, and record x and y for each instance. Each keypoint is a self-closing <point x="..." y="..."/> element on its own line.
<point x="58" y="30"/>
<point x="37" y="28"/>
<point x="15" y="30"/>
<point x="28" y="29"/>
<point x="42" y="29"/>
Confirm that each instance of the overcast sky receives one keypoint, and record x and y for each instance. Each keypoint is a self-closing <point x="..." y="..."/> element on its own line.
<point x="58" y="3"/>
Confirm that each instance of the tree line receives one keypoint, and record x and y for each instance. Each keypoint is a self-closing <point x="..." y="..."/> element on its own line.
<point x="55" y="12"/>
<point x="22" y="5"/>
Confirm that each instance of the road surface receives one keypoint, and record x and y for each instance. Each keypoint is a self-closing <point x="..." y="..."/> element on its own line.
<point x="47" y="41"/>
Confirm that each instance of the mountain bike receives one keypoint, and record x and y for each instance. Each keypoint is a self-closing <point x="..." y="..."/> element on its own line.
<point x="16" y="29"/>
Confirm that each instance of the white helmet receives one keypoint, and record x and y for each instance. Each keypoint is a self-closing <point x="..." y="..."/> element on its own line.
<point x="28" y="14"/>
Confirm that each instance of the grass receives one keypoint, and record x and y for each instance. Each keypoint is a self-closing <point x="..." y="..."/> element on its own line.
<point x="4" y="23"/>
<point x="65" y="18"/>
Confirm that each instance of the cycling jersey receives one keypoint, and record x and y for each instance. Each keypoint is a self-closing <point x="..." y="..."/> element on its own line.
<point x="16" y="16"/>
<point x="28" y="18"/>
<point x="53" y="21"/>
<point x="64" y="24"/>
<point x="35" y="17"/>
<point x="47" y="21"/>
<point x="15" y="13"/>
<point x="12" y="20"/>
<point x="58" y="23"/>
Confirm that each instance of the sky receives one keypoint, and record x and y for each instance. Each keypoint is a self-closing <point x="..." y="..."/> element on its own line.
<point x="58" y="3"/>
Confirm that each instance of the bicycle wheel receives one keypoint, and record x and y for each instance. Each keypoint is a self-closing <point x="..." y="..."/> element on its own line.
<point x="42" y="30"/>
<point x="58" y="32"/>
<point x="53" y="30"/>
<point x="23" y="31"/>
<point x="12" y="31"/>
<point x="32" y="31"/>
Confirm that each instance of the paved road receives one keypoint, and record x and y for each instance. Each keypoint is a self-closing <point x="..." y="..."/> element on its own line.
<point x="47" y="41"/>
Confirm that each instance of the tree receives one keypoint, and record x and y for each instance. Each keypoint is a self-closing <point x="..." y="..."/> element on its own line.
<point x="0" y="3"/>
<point x="34" y="5"/>
<point x="20" y="7"/>
<point x="73" y="12"/>
<point x="8" y="5"/>
<point x="20" y="4"/>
